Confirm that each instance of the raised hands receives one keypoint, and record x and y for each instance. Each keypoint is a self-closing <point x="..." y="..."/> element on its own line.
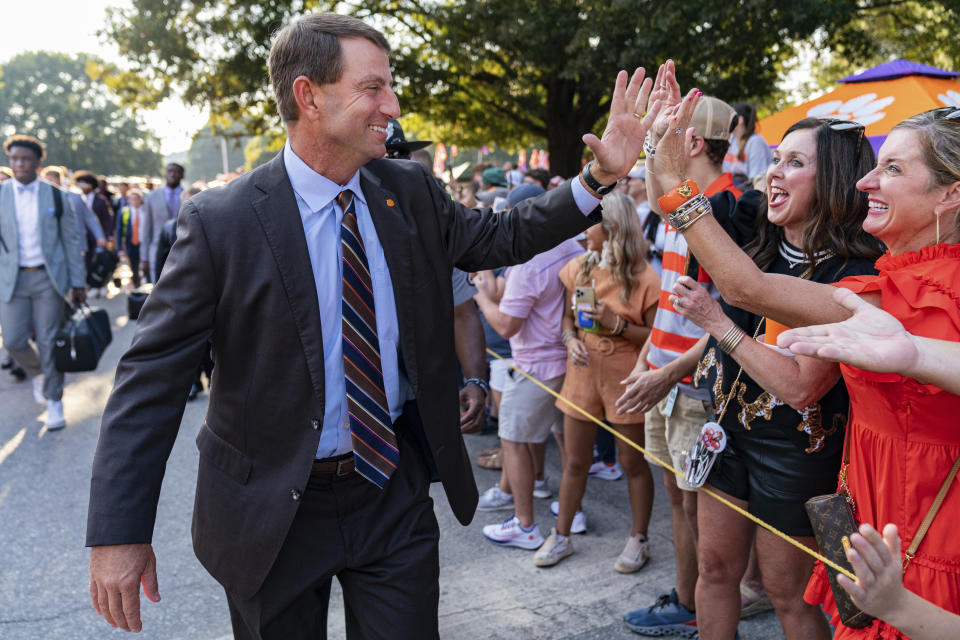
<point x="618" y="148"/>
<point x="666" y="91"/>
<point x="672" y="156"/>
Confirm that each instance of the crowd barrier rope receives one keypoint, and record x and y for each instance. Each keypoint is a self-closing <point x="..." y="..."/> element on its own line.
<point x="780" y="534"/>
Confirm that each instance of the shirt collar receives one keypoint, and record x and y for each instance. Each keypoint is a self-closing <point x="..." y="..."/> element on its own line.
<point x="32" y="186"/>
<point x="316" y="190"/>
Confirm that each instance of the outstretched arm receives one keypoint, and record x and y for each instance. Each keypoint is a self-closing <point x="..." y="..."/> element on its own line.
<point x="873" y="339"/>
<point x="788" y="300"/>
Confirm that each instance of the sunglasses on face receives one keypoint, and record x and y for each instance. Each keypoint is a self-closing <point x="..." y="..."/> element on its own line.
<point x="844" y="126"/>
<point x="945" y="113"/>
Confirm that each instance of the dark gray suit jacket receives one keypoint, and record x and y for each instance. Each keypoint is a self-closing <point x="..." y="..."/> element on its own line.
<point x="240" y="274"/>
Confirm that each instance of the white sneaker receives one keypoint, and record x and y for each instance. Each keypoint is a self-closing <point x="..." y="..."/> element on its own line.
<point x="541" y="489"/>
<point x="511" y="534"/>
<point x="634" y="555"/>
<point x="494" y="499"/>
<point x="55" y="419"/>
<point x="605" y="471"/>
<point x="579" y="524"/>
<point x="553" y="550"/>
<point x="38" y="389"/>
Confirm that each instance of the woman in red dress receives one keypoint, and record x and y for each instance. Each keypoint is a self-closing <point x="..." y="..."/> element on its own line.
<point x="904" y="434"/>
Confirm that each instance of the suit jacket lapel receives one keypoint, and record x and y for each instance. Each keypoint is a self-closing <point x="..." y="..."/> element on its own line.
<point x="279" y="217"/>
<point x="394" y="231"/>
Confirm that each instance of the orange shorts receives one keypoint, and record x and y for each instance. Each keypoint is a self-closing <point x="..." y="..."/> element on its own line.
<point x="596" y="387"/>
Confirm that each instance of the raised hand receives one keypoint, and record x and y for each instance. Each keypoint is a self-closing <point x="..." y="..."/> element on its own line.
<point x="870" y="339"/>
<point x="672" y="155"/>
<point x="618" y="148"/>
<point x="666" y="90"/>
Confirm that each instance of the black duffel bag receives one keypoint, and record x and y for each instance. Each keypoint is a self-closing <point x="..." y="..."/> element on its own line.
<point x="135" y="300"/>
<point x="101" y="271"/>
<point x="80" y="342"/>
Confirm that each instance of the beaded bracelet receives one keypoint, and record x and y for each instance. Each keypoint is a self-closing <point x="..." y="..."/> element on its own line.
<point x="649" y="149"/>
<point x="480" y="382"/>
<point x="689" y="212"/>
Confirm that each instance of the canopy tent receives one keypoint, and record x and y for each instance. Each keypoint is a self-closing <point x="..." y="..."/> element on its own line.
<point x="878" y="98"/>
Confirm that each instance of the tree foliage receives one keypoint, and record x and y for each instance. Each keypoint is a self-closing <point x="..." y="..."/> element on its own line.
<point x="67" y="103"/>
<point x="509" y="72"/>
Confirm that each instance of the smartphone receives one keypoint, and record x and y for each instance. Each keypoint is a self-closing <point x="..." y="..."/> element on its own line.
<point x="584" y="301"/>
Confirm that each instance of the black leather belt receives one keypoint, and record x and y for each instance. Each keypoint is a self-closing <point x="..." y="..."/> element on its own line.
<point x="36" y="268"/>
<point x="338" y="465"/>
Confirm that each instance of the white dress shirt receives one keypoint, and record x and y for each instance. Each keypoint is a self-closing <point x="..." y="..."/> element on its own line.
<point x="28" y="223"/>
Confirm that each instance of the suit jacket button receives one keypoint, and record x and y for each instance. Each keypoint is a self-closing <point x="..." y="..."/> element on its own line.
<point x="315" y="423"/>
<point x="295" y="495"/>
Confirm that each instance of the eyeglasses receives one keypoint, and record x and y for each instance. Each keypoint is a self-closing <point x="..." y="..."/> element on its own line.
<point x="945" y="113"/>
<point x="843" y="126"/>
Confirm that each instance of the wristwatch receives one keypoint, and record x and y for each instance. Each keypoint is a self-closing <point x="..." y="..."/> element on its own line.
<point x="592" y="184"/>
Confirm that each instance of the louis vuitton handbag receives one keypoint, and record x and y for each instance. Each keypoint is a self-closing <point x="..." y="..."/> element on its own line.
<point x="833" y="520"/>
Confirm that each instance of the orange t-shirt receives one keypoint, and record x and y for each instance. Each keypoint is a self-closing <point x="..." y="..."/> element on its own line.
<point x="605" y="290"/>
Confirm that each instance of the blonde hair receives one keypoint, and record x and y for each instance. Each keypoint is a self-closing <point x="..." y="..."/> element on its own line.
<point x="626" y="246"/>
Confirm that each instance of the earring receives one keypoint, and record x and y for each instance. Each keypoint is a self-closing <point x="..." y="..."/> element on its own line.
<point x="938" y="227"/>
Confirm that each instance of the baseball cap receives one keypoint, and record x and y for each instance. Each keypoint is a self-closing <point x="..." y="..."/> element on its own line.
<point x="713" y="119"/>
<point x="638" y="172"/>
<point x="524" y="191"/>
<point x="396" y="141"/>
<point x="494" y="176"/>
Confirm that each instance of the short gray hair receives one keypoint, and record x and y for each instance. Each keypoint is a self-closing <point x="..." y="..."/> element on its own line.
<point x="310" y="46"/>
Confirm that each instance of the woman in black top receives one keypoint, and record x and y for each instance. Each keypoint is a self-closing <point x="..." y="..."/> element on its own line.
<point x="784" y="415"/>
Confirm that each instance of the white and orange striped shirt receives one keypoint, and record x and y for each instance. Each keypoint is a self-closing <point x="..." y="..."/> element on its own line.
<point x="672" y="334"/>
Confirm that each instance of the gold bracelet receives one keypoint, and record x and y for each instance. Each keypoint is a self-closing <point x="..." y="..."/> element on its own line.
<point x="731" y="339"/>
<point x="567" y="336"/>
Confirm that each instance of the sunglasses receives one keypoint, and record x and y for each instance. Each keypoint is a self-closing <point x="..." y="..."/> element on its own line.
<point x="843" y="126"/>
<point x="945" y="113"/>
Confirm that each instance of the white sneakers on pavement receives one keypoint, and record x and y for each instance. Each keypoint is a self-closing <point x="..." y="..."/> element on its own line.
<point x="634" y="555"/>
<point x="555" y="548"/>
<point x="493" y="499"/>
<point x="579" y="524"/>
<point x="55" y="420"/>
<point x="511" y="534"/>
<point x="605" y="471"/>
<point x="38" y="389"/>
<point x="541" y="489"/>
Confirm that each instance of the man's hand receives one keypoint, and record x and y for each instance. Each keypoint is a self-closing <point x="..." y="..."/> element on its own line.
<point x="101" y="242"/>
<point x="645" y="388"/>
<point x="78" y="295"/>
<point x="618" y="148"/>
<point x="116" y="573"/>
<point x="474" y="399"/>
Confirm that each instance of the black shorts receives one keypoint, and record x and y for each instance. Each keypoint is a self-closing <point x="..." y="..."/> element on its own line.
<point x="774" y="476"/>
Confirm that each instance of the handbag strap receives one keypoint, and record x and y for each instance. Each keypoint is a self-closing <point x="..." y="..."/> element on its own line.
<point x="931" y="514"/>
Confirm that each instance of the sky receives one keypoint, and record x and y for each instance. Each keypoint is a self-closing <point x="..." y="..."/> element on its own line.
<point x="74" y="30"/>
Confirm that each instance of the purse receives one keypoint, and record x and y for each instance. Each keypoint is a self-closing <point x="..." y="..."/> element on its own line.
<point x="81" y="341"/>
<point x="833" y="521"/>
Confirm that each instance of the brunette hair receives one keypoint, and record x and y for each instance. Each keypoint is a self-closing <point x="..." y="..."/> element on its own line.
<point x="835" y="223"/>
<point x="748" y="115"/>
<point x="310" y="46"/>
<point x="627" y="256"/>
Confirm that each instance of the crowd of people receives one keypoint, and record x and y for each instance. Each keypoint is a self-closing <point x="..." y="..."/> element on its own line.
<point x="670" y="311"/>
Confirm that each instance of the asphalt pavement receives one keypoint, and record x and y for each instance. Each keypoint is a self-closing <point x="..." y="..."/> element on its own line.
<point x="486" y="592"/>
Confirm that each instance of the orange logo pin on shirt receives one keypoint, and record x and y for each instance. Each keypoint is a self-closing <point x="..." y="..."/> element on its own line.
<point x="389" y="203"/>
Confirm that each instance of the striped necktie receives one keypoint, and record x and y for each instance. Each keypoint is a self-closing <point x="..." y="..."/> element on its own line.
<point x="374" y="442"/>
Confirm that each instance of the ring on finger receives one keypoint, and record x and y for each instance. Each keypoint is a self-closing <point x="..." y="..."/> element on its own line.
<point x="678" y="131"/>
<point x="637" y="116"/>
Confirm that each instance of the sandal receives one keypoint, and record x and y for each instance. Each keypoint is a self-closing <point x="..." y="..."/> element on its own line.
<point x="752" y="602"/>
<point x="493" y="461"/>
<point x="489" y="452"/>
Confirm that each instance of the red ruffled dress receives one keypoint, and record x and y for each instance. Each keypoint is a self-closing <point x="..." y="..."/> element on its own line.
<point x="906" y="435"/>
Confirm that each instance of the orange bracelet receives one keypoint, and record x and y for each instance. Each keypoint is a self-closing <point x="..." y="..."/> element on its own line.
<point x="672" y="199"/>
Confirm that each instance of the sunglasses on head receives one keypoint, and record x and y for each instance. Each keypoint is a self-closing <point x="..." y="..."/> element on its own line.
<point x="945" y="113"/>
<point x="843" y="126"/>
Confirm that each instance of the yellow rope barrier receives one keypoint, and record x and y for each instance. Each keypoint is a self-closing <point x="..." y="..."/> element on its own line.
<point x="738" y="509"/>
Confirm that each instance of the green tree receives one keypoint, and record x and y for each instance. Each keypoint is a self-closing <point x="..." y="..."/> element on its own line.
<point x="65" y="101"/>
<point x="205" y="156"/>
<point x="508" y="72"/>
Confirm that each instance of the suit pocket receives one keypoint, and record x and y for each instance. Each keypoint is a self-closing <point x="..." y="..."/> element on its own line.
<point x="223" y="455"/>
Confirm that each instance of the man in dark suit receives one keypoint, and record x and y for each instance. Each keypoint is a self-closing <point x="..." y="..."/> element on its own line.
<point x="323" y="280"/>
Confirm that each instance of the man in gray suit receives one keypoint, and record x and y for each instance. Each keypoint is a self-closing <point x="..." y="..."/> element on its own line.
<point x="323" y="280"/>
<point x="41" y="262"/>
<point x="159" y="206"/>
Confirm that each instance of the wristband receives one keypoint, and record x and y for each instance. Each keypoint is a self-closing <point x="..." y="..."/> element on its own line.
<point x="678" y="195"/>
<point x="480" y="382"/>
